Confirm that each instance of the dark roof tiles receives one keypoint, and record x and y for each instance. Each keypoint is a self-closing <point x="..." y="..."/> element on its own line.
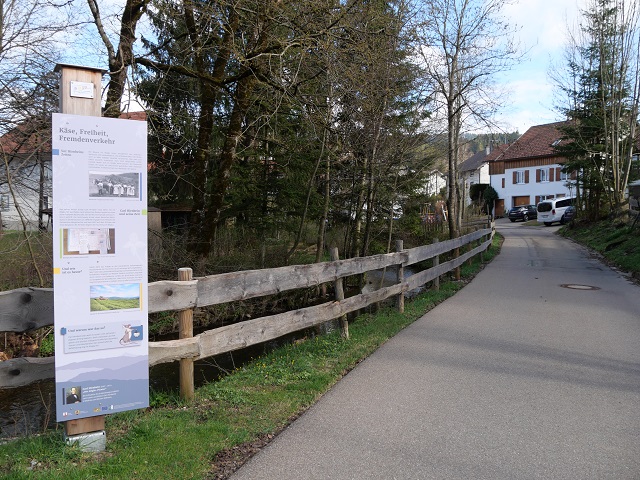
<point x="538" y="141"/>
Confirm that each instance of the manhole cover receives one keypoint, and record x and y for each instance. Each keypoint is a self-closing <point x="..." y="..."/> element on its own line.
<point x="574" y="286"/>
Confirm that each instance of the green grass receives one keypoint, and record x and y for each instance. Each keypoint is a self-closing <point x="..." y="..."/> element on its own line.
<point x="19" y="266"/>
<point x="617" y="242"/>
<point x="114" y="304"/>
<point x="175" y="440"/>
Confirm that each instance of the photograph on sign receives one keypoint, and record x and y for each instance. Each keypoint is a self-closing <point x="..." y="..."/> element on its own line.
<point x="100" y="291"/>
<point x="88" y="241"/>
<point x="115" y="297"/>
<point x="114" y="184"/>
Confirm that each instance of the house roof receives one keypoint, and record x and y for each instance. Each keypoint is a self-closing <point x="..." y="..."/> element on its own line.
<point x="475" y="161"/>
<point x="27" y="137"/>
<point x="134" y="116"/>
<point x="538" y="141"/>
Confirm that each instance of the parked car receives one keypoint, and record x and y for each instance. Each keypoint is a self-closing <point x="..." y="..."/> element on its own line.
<point x="568" y="215"/>
<point x="553" y="209"/>
<point x="523" y="212"/>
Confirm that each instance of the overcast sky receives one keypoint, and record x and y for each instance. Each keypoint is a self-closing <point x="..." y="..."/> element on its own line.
<point x="543" y="26"/>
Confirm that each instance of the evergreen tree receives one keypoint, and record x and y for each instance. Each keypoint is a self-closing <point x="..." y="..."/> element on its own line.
<point x="603" y="104"/>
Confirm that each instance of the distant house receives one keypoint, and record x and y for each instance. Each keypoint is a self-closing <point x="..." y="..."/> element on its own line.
<point x="27" y="150"/>
<point x="25" y="185"/>
<point x="435" y="182"/>
<point x="475" y="169"/>
<point x="530" y="170"/>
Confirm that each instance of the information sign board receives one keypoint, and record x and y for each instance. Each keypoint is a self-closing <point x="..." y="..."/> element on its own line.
<point x="100" y="265"/>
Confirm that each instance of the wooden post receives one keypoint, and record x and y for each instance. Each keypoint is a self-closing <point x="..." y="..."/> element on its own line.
<point x="456" y="254"/>
<point x="74" y="79"/>
<point x="344" y="323"/>
<point x="71" y="79"/>
<point x="480" y="243"/>
<point x="400" y="277"/>
<point x="436" y="262"/>
<point x="185" y="329"/>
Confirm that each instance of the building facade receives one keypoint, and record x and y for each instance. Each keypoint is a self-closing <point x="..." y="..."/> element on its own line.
<point x="530" y="170"/>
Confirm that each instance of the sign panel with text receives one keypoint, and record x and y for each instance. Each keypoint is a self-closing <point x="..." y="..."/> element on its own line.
<point x="100" y="265"/>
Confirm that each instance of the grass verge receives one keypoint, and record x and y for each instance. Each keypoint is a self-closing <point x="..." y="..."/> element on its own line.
<point x="618" y="243"/>
<point x="230" y="419"/>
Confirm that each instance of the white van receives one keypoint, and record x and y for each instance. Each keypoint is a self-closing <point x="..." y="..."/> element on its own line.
<point x="552" y="210"/>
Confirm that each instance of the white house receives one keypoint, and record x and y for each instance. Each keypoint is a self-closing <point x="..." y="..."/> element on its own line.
<point x="530" y="170"/>
<point x="475" y="169"/>
<point x="434" y="183"/>
<point x="25" y="185"/>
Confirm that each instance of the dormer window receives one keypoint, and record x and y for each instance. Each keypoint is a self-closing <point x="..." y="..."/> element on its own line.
<point x="556" y="143"/>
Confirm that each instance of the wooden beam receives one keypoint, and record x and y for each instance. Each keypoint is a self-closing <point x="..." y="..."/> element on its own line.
<point x="28" y="308"/>
<point x="25" y="309"/>
<point x="18" y="372"/>
<point x="22" y="371"/>
<point x="80" y="89"/>
<point x="167" y="295"/>
<point x="229" y="287"/>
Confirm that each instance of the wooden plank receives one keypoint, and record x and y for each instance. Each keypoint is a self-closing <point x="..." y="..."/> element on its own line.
<point x="25" y="309"/>
<point x="251" y="332"/>
<point x="173" y="350"/>
<point x="18" y="372"/>
<point x="425" y="276"/>
<point x="426" y="252"/>
<point x="75" y="105"/>
<point x="229" y="287"/>
<point x="28" y="308"/>
<point x="84" y="425"/>
<point x="169" y="295"/>
<point x="237" y="336"/>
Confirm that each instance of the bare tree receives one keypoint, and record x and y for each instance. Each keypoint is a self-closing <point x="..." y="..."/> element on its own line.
<point x="120" y="57"/>
<point x="28" y="51"/>
<point x="463" y="45"/>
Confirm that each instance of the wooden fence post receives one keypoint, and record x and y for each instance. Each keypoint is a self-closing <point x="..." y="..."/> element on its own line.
<point x="185" y="329"/>
<point x="489" y="225"/>
<point x="436" y="262"/>
<point x="344" y="323"/>
<point x="75" y="430"/>
<point x="480" y="240"/>
<point x="400" y="277"/>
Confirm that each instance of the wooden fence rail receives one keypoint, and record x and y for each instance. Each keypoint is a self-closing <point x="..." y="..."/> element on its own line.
<point x="25" y="309"/>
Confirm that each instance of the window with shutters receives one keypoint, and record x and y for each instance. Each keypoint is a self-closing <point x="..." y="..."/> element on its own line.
<point x="544" y="174"/>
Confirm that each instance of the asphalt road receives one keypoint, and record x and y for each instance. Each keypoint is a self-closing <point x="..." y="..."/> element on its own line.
<point x="515" y="377"/>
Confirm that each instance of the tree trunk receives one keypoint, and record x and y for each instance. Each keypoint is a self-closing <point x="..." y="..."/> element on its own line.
<point x="121" y="58"/>
<point x="222" y="179"/>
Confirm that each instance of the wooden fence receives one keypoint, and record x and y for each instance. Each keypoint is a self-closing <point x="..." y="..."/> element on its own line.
<point x="28" y="308"/>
